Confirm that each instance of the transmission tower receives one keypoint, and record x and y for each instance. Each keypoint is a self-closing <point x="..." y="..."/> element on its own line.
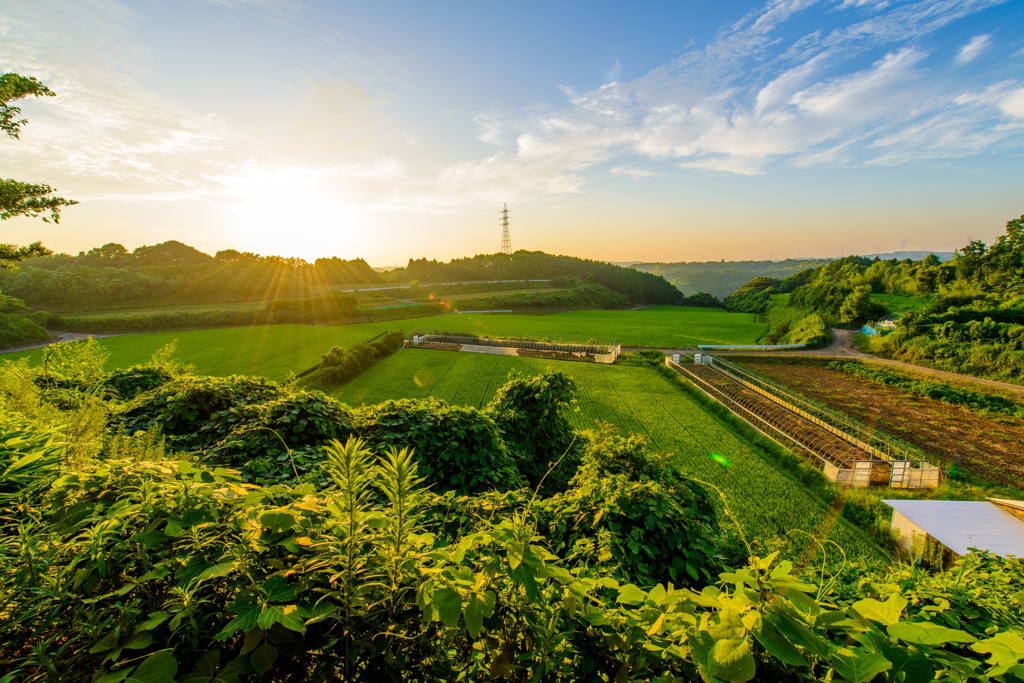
<point x="506" y="242"/>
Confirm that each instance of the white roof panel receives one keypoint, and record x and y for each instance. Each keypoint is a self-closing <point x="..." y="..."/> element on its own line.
<point x="960" y="525"/>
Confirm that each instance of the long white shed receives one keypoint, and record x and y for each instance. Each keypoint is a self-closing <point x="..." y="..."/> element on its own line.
<point x="938" y="531"/>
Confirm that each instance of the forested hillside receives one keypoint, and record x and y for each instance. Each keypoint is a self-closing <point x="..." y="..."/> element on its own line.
<point x="971" y="313"/>
<point x="636" y="286"/>
<point x="111" y="277"/>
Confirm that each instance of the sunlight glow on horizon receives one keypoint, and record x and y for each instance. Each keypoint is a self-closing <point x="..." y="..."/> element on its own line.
<point x="672" y="131"/>
<point x="291" y="208"/>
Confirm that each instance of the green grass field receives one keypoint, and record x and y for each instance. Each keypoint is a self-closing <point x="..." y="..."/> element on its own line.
<point x="896" y="303"/>
<point x="273" y="351"/>
<point x="766" y="500"/>
<point x="657" y="326"/>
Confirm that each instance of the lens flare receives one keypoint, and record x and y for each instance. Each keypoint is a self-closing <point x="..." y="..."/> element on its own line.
<point x="720" y="459"/>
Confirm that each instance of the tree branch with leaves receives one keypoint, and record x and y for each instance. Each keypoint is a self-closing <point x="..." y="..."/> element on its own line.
<point x="20" y="198"/>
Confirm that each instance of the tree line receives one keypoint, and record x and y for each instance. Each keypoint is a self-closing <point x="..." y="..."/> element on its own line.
<point x="638" y="287"/>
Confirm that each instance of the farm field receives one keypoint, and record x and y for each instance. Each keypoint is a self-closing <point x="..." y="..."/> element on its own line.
<point x="270" y="351"/>
<point x="988" y="447"/>
<point x="273" y="351"/>
<point x="767" y="501"/>
<point x="657" y="326"/>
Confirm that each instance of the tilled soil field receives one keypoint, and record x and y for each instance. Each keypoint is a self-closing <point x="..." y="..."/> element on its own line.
<point x="991" y="449"/>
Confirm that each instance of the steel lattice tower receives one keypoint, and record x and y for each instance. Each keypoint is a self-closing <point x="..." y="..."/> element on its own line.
<point x="506" y="241"/>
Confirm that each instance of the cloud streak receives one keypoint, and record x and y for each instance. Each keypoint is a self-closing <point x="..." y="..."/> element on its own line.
<point x="758" y="95"/>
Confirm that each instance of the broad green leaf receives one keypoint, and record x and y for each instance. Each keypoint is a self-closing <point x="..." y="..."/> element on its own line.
<point x="449" y="605"/>
<point x="286" y="615"/>
<point x="927" y="633"/>
<point x="1006" y="650"/>
<point x="263" y="658"/>
<point x="887" y="613"/>
<point x="797" y="633"/>
<point x="173" y="528"/>
<point x="630" y="595"/>
<point x="776" y="644"/>
<point x="217" y="571"/>
<point x="859" y="666"/>
<point x="480" y="605"/>
<point x="247" y="612"/>
<point x="155" y="619"/>
<point x="278" y="589"/>
<point x="277" y="520"/>
<point x="159" y="667"/>
<point x="732" y="660"/>
<point x="726" y="625"/>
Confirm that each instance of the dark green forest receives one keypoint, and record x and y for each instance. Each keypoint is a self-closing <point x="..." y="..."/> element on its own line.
<point x="637" y="287"/>
<point x="110" y="277"/>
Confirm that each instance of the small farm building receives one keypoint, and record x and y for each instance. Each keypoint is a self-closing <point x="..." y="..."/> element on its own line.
<point x="939" y="531"/>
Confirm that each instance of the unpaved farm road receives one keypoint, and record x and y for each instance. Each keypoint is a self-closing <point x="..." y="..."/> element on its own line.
<point x="842" y="347"/>
<point x="56" y="339"/>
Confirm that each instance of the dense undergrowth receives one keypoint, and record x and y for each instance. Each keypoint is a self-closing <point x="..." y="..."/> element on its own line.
<point x="158" y="526"/>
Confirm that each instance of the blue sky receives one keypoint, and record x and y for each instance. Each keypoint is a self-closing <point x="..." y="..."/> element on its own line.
<point x="659" y="131"/>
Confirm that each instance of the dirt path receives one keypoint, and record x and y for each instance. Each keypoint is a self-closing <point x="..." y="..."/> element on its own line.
<point x="56" y="339"/>
<point x="842" y="347"/>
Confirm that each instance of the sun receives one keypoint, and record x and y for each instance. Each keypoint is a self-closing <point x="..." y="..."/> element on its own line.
<point x="293" y="212"/>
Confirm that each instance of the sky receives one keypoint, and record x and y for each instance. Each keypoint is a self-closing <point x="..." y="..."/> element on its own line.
<point x="648" y="131"/>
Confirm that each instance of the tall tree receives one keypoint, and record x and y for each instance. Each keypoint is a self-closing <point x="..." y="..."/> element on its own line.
<point x="20" y="198"/>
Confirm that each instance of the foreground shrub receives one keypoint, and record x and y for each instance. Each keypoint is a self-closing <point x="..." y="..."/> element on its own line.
<point x="196" y="409"/>
<point x="164" y="571"/>
<point x="531" y="414"/>
<point x="457" y="448"/>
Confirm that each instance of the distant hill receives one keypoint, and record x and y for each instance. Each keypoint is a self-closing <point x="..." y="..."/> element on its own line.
<point x="722" y="278"/>
<point x="638" y="286"/>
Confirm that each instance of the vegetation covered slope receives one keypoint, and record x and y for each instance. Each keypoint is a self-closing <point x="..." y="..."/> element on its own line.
<point x="972" y="320"/>
<point x="352" y="569"/>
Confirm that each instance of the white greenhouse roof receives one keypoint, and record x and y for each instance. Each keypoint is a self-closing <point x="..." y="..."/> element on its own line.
<point x="960" y="525"/>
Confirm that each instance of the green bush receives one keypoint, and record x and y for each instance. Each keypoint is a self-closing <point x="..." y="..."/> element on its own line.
<point x="130" y="382"/>
<point x="18" y="330"/>
<point x="340" y="365"/>
<point x="197" y="410"/>
<point x="809" y="330"/>
<point x="531" y="414"/>
<point x="281" y="439"/>
<point x="458" y="448"/>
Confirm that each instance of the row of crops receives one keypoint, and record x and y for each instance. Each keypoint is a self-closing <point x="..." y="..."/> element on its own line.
<point x="767" y="500"/>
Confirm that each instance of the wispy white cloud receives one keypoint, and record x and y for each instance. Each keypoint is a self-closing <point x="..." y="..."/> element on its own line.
<point x="756" y="95"/>
<point x="970" y="51"/>
<point x="631" y="171"/>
